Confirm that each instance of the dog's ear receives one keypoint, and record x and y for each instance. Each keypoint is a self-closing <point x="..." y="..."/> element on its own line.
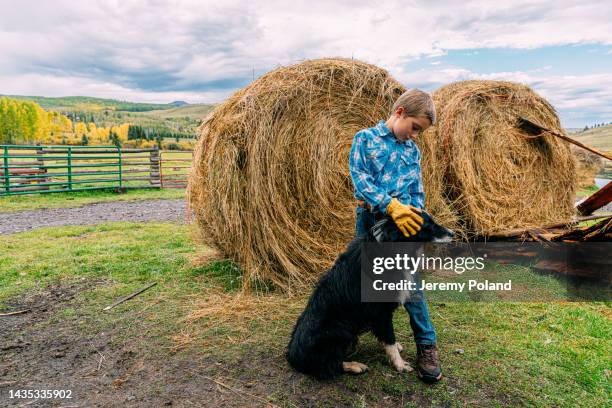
<point x="426" y="216"/>
<point x="384" y="231"/>
<point x="377" y="231"/>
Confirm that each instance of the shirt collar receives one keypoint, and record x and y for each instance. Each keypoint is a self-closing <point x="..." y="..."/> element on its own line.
<point x="385" y="131"/>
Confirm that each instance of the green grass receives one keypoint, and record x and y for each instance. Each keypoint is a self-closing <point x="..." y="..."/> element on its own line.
<point x="121" y="252"/>
<point x="599" y="138"/>
<point x="515" y="354"/>
<point x="587" y="191"/>
<point x="78" y="198"/>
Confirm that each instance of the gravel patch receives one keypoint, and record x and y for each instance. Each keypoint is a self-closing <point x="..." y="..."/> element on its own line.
<point x="605" y="209"/>
<point x="132" y="211"/>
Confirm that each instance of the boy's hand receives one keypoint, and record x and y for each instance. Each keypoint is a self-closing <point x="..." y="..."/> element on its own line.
<point x="405" y="217"/>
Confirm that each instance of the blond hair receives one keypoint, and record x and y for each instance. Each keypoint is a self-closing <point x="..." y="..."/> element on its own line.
<point x="416" y="103"/>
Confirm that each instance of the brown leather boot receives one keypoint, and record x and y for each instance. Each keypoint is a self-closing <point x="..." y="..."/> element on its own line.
<point x="428" y="365"/>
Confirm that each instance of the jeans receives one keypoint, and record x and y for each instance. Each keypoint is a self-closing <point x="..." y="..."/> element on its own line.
<point x="422" y="328"/>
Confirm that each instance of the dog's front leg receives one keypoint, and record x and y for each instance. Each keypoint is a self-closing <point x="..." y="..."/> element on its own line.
<point x="393" y="352"/>
<point x="383" y="330"/>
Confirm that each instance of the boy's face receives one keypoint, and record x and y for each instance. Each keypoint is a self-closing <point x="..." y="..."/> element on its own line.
<point x="408" y="127"/>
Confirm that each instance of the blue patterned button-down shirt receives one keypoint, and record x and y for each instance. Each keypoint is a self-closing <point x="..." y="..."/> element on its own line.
<point x="383" y="168"/>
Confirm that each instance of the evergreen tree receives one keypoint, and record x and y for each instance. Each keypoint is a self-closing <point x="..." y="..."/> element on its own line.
<point x="114" y="138"/>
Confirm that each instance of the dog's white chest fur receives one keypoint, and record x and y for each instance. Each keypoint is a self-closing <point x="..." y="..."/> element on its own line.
<point x="404" y="295"/>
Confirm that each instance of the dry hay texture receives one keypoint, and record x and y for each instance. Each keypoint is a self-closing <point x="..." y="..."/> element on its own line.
<point x="481" y="174"/>
<point x="588" y="166"/>
<point x="271" y="188"/>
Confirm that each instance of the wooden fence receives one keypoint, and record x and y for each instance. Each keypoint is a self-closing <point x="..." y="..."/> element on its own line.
<point x="174" y="168"/>
<point x="47" y="169"/>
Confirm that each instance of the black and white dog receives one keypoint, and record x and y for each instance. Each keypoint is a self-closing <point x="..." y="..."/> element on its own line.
<point x="335" y="316"/>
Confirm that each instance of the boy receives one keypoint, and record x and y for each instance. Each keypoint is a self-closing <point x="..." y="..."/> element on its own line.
<point x="386" y="172"/>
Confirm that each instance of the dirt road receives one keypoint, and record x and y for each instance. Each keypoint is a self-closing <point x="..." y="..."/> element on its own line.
<point x="133" y="211"/>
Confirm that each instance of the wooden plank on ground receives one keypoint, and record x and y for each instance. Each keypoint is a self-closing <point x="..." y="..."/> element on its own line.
<point x="595" y="201"/>
<point x="520" y="231"/>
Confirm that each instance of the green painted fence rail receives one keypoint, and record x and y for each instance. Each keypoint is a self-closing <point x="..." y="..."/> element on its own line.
<point x="32" y="169"/>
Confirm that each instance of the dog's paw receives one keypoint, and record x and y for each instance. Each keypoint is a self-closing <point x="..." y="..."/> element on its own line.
<point x="354" y="367"/>
<point x="403" y="366"/>
<point x="399" y="347"/>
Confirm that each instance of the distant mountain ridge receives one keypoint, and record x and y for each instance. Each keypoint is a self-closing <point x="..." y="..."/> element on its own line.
<point x="92" y="103"/>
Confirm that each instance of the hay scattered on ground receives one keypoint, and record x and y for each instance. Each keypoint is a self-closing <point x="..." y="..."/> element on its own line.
<point x="237" y="317"/>
<point x="271" y="188"/>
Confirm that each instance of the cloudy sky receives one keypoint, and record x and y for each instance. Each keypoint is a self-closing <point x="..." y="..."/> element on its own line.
<point x="202" y="51"/>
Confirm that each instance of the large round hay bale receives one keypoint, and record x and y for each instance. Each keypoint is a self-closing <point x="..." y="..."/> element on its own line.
<point x="271" y="187"/>
<point x="481" y="174"/>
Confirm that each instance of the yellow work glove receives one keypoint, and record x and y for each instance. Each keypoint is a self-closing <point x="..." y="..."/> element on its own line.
<point x="405" y="216"/>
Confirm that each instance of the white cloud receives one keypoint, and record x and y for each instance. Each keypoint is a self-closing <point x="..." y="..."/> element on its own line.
<point x="574" y="96"/>
<point x="31" y="84"/>
<point x="204" y="49"/>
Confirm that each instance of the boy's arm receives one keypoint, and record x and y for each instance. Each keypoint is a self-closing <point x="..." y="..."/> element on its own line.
<point x="416" y="191"/>
<point x="362" y="176"/>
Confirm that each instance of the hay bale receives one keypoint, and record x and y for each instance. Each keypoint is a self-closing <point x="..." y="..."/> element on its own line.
<point x="588" y="166"/>
<point x="271" y="188"/>
<point x="480" y="173"/>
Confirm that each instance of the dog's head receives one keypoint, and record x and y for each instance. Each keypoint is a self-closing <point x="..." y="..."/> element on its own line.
<point x="385" y="230"/>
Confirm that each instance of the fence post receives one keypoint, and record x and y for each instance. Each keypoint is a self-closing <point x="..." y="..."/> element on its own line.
<point x="120" y="166"/>
<point x="6" y="171"/>
<point x="69" y="167"/>
<point x="40" y="153"/>
<point x="155" y="167"/>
